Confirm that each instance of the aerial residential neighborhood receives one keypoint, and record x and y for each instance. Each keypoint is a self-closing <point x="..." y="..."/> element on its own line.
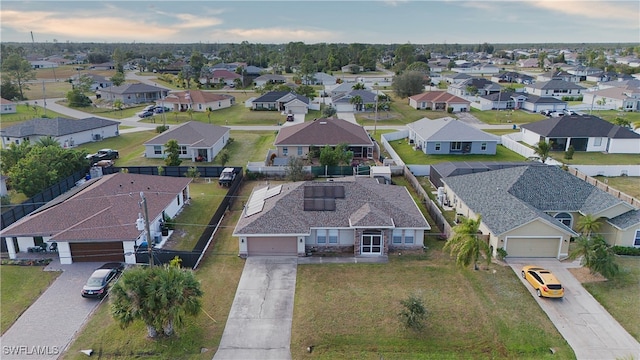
<point x="195" y="184"/>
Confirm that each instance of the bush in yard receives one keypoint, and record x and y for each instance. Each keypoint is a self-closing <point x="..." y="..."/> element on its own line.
<point x="569" y="153"/>
<point x="501" y="253"/>
<point x="450" y="110"/>
<point x="161" y="128"/>
<point x="626" y="250"/>
<point x="413" y="313"/>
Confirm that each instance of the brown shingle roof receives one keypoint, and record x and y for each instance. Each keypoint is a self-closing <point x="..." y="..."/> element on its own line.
<point x="439" y="96"/>
<point x="324" y="132"/>
<point x="105" y="210"/>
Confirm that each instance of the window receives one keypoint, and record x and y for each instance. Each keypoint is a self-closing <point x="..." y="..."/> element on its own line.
<point x="178" y="199"/>
<point x="321" y="236"/>
<point x="597" y="141"/>
<point x="299" y="150"/>
<point x="564" y="218"/>
<point x="397" y="236"/>
<point x="456" y="145"/>
<point x="285" y="151"/>
<point x="333" y="236"/>
<point x="408" y="236"/>
<point x="157" y="149"/>
<point x="437" y="147"/>
<point x="636" y="241"/>
<point x="483" y="147"/>
<point x="183" y="150"/>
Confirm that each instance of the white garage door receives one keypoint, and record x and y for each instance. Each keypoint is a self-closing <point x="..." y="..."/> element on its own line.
<point x="272" y="246"/>
<point x="533" y="247"/>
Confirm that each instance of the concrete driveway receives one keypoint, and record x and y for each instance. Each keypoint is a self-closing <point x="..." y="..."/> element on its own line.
<point x="259" y="323"/>
<point x="589" y="329"/>
<point x="348" y="116"/>
<point x="48" y="326"/>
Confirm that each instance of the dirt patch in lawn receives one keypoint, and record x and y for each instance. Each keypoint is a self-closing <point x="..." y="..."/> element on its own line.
<point x="584" y="275"/>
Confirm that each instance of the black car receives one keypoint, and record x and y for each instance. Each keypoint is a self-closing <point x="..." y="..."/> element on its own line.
<point x="145" y="114"/>
<point x="161" y="109"/>
<point x="97" y="285"/>
<point x="290" y="117"/>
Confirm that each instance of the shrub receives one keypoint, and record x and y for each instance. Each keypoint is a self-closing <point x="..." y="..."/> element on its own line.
<point x="569" y="153"/>
<point x="501" y="253"/>
<point x="626" y="250"/>
<point x="161" y="128"/>
<point x="413" y="313"/>
<point x="450" y="110"/>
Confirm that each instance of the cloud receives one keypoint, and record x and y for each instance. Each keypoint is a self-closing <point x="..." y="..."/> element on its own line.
<point x="276" y="35"/>
<point x="190" y="21"/>
<point x="611" y="11"/>
<point x="394" y="3"/>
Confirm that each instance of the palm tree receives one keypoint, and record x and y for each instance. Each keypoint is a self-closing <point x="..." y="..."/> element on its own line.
<point x="358" y="86"/>
<point x="357" y="102"/>
<point x="542" y="149"/>
<point x="596" y="255"/>
<point x="159" y="296"/>
<point x="209" y="112"/>
<point x="47" y="141"/>
<point x="465" y="244"/>
<point x="117" y="103"/>
<point x="588" y="225"/>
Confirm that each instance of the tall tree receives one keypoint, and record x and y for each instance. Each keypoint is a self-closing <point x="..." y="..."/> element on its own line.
<point x="465" y="244"/>
<point x="408" y="84"/>
<point x="596" y="255"/>
<point x="172" y="151"/>
<point x="117" y="79"/>
<point x="17" y="71"/>
<point x="161" y="297"/>
<point x="357" y="102"/>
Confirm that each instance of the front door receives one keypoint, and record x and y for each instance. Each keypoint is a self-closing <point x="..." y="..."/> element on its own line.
<point x="371" y="243"/>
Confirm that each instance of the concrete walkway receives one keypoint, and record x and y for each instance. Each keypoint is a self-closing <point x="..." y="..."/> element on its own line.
<point x="259" y="323"/>
<point x="49" y="325"/>
<point x="589" y="329"/>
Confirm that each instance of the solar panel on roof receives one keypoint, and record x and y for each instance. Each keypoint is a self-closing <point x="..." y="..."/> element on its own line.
<point x="252" y="210"/>
<point x="273" y="192"/>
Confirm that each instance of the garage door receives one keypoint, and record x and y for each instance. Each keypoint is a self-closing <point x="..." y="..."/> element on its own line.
<point x="272" y="246"/>
<point x="99" y="252"/>
<point x="533" y="247"/>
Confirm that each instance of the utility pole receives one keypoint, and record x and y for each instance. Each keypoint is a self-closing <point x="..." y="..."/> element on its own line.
<point x="147" y="228"/>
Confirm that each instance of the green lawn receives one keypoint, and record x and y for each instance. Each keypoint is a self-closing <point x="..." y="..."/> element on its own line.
<point x="21" y="286"/>
<point x="471" y="314"/>
<point x="506" y="116"/>
<point x="410" y="156"/>
<point x="627" y="184"/>
<point x="24" y="113"/>
<point x="597" y="158"/>
<point x="610" y="115"/>
<point x="621" y="296"/>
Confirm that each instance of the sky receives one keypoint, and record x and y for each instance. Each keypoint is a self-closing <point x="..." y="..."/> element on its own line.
<point x="326" y="21"/>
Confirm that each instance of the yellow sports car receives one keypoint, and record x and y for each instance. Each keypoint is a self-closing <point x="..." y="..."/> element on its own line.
<point x="545" y="283"/>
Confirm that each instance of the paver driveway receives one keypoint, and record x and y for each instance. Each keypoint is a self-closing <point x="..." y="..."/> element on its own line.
<point x="589" y="329"/>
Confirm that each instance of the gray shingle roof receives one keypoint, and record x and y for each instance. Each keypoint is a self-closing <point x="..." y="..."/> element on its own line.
<point x="322" y="132"/>
<point x="274" y="96"/>
<point x="579" y="126"/>
<point x="535" y="99"/>
<point x="556" y="85"/>
<point x="366" y="203"/>
<point x="192" y="133"/>
<point x="136" y="88"/>
<point x="512" y="197"/>
<point x="55" y="127"/>
<point x="626" y="220"/>
<point x="449" y="129"/>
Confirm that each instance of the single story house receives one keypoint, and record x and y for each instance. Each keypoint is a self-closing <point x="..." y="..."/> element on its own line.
<point x="263" y="80"/>
<point x="137" y="93"/>
<point x="97" y="81"/>
<point x="104" y="66"/>
<point x="43" y="64"/>
<point x="220" y="76"/>
<point x="352" y="69"/>
<point x="7" y="106"/>
<point x="286" y="101"/>
<point x="612" y="98"/>
<point x="321" y="78"/>
<point x="481" y="86"/>
<point x="197" y="141"/>
<point x="477" y="69"/>
<point x="507" y="100"/>
<point x="559" y="75"/>
<point x="197" y="100"/>
<point x="455" y="78"/>
<point x="555" y="88"/>
<point x="298" y="139"/>
<point x="438" y="100"/>
<point x="527" y="222"/>
<point x="512" y="77"/>
<point x="98" y="222"/>
<point x="343" y="102"/>
<point x="536" y="103"/>
<point x="67" y="132"/>
<point x="584" y="133"/>
<point x="448" y="136"/>
<point x="339" y="89"/>
<point x="355" y="215"/>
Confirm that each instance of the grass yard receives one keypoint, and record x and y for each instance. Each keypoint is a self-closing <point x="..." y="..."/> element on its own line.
<point x="52" y="90"/>
<point x="502" y="117"/>
<point x="627" y="184"/>
<point x="219" y="274"/>
<point x="597" y="158"/>
<point x="349" y="311"/>
<point x="400" y="114"/>
<point x="610" y="115"/>
<point x="500" y="132"/>
<point x="21" y="286"/>
<point x="410" y="156"/>
<point x="24" y="113"/>
<point x="130" y="146"/>
<point x="621" y="296"/>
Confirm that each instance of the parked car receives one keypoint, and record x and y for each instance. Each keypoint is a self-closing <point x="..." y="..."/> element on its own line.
<point x="161" y="109"/>
<point x="569" y="112"/>
<point x="148" y="108"/>
<point x="145" y="114"/>
<point x="227" y="176"/>
<point x="543" y="281"/>
<point x="546" y="112"/>
<point x="290" y="117"/>
<point x="98" y="284"/>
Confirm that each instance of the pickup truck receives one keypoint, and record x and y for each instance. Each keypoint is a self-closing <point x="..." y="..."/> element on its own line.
<point x="103" y="154"/>
<point x="227" y="176"/>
